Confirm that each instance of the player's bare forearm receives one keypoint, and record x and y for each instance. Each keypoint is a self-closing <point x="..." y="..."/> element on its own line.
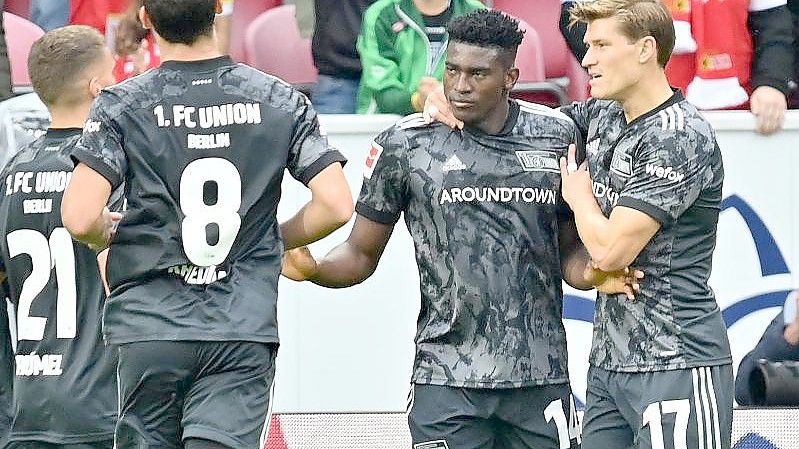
<point x="311" y="223"/>
<point x="573" y="267"/>
<point x="344" y="266"/>
<point x="83" y="204"/>
<point x="329" y="209"/>
<point x="355" y="260"/>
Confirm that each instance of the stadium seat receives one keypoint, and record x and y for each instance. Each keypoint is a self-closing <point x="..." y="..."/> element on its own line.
<point x="532" y="84"/>
<point x="274" y="45"/>
<point x="20" y="35"/>
<point x="244" y="12"/>
<point x="21" y="8"/>
<point x="544" y="15"/>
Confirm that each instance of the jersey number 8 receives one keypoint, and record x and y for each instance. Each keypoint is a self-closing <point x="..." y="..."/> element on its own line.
<point x="199" y="215"/>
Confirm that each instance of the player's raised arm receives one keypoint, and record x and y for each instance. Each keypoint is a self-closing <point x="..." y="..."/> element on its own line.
<point x="329" y="209"/>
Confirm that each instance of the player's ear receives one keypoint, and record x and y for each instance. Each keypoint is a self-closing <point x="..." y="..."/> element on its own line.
<point x="144" y="18"/>
<point x="647" y="49"/>
<point x="511" y="77"/>
<point x="95" y="86"/>
<point x="219" y="6"/>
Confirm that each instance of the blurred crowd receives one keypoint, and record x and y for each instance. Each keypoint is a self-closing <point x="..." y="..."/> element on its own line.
<point x="386" y="56"/>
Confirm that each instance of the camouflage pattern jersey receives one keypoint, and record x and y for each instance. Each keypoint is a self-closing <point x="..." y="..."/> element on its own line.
<point x="484" y="212"/>
<point x="666" y="164"/>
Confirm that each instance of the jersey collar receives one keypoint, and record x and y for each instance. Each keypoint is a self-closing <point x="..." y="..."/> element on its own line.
<point x="675" y="98"/>
<point x="202" y="65"/>
<point x="62" y="133"/>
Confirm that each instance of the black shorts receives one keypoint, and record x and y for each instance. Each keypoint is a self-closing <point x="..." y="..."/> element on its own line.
<point x="540" y="417"/>
<point x="104" y="444"/>
<point x="685" y="408"/>
<point x="171" y="391"/>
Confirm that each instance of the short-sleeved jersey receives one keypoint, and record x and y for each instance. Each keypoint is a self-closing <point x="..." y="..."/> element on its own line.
<point x="484" y="212"/>
<point x="666" y="164"/>
<point x="202" y="147"/>
<point x="64" y="381"/>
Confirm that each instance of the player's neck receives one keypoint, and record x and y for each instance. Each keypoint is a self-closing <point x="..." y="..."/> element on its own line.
<point x="69" y="117"/>
<point x="649" y="93"/>
<point x="202" y="48"/>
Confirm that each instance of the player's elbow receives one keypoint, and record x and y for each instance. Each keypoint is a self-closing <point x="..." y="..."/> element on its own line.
<point x="614" y="261"/>
<point x="76" y="221"/>
<point x="341" y="210"/>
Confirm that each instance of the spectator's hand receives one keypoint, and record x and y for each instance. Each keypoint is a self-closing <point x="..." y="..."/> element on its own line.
<point x="436" y="108"/>
<point x="299" y="264"/>
<point x="575" y="181"/>
<point x="768" y="106"/>
<point x="622" y="281"/>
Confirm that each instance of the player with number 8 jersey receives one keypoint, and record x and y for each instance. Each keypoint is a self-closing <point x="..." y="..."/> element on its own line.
<point x="201" y="144"/>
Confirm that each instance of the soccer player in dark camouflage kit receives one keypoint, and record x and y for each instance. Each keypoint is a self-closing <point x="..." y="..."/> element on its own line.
<point x="660" y="367"/>
<point x="200" y="145"/>
<point x="64" y="385"/>
<point x="484" y="209"/>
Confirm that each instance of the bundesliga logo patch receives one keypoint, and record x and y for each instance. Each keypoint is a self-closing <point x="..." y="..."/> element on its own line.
<point x="538" y="161"/>
<point x="371" y="160"/>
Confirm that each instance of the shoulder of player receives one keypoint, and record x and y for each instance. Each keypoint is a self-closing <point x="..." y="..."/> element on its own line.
<point x="537" y="111"/>
<point x="678" y="121"/>
<point x="24" y="155"/>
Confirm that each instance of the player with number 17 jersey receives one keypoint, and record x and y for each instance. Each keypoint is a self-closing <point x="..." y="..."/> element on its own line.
<point x="202" y="146"/>
<point x="64" y="382"/>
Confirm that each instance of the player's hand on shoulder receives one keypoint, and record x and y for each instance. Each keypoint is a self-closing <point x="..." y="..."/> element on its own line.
<point x="299" y="264"/>
<point x="622" y="281"/>
<point x="436" y="109"/>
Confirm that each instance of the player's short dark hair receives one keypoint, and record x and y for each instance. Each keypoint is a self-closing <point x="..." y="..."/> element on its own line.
<point x="59" y="59"/>
<point x="487" y="28"/>
<point x="181" y="21"/>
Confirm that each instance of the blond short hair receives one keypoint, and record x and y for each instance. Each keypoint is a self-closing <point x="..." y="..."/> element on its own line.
<point x="637" y="19"/>
<point x="58" y="61"/>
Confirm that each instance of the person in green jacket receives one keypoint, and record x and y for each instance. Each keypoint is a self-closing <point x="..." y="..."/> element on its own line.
<point x="402" y="46"/>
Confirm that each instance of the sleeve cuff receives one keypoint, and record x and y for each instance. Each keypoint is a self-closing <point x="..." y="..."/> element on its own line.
<point x="98" y="165"/>
<point x="385" y="218"/>
<point x="320" y="164"/>
<point x="655" y="212"/>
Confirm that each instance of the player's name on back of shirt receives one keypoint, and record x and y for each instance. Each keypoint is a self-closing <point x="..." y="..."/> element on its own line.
<point x="31" y="182"/>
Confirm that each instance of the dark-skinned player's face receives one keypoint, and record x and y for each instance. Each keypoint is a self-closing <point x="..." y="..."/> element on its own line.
<point x="477" y="81"/>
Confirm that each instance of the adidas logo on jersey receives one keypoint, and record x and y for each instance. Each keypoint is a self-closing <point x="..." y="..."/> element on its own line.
<point x="453" y="164"/>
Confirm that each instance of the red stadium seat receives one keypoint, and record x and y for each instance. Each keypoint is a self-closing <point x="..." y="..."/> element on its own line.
<point x="532" y="84"/>
<point x="544" y="16"/>
<point x="244" y="12"/>
<point x="20" y="35"/>
<point x="274" y="45"/>
<point x="20" y="8"/>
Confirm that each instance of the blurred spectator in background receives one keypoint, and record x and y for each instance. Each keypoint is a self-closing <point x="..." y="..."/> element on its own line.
<point x="402" y="47"/>
<point x="780" y="342"/>
<point x="337" y="24"/>
<point x="572" y="33"/>
<point x="5" y="66"/>
<point x="724" y="50"/>
<point x="49" y="14"/>
<point x="135" y="46"/>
